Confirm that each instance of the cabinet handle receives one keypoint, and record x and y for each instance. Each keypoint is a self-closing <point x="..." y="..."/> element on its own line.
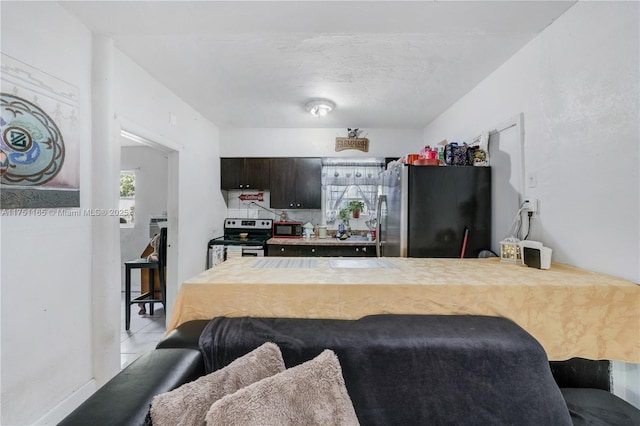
<point x="364" y="249"/>
<point x="241" y="186"/>
<point x="313" y="250"/>
<point x="247" y="186"/>
<point x="291" y="205"/>
<point x="357" y="249"/>
<point x="298" y="205"/>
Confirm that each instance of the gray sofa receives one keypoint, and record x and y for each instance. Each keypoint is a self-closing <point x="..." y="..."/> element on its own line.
<point x="451" y="352"/>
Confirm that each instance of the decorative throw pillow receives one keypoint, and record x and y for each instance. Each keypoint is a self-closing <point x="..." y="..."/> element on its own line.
<point x="312" y="393"/>
<point x="188" y="404"/>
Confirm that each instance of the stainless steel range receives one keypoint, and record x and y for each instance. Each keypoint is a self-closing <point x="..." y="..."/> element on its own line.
<point x="242" y="237"/>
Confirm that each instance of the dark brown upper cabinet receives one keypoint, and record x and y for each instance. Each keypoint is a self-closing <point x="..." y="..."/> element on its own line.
<point x="244" y="173"/>
<point x="296" y="183"/>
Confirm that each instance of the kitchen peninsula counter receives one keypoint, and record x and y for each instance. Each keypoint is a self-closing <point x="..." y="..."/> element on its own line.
<point x="570" y="311"/>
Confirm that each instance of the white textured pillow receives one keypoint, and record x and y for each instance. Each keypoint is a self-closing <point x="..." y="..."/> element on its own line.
<point x="188" y="404"/>
<point x="312" y="393"/>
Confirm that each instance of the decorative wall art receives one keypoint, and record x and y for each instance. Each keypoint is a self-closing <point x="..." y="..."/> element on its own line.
<point x="39" y="152"/>
<point x="352" y="142"/>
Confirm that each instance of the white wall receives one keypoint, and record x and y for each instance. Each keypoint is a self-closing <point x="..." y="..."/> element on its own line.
<point x="265" y="142"/>
<point x="47" y="271"/>
<point x="141" y="100"/>
<point x="46" y="261"/>
<point x="577" y="85"/>
<point x="151" y="169"/>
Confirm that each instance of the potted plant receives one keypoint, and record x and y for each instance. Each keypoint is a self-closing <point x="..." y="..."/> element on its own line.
<point x="344" y="215"/>
<point x="356" y="207"/>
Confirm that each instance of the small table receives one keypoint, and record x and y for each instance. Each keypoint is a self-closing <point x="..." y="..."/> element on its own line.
<point x="149" y="296"/>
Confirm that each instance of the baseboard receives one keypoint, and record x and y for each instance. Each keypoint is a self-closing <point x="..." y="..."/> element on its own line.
<point x="63" y="409"/>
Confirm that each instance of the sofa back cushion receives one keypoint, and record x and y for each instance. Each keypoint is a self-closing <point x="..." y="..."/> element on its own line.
<point x="413" y="369"/>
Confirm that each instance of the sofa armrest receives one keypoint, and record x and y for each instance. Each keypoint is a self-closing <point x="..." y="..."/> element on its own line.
<point x="125" y="399"/>
<point x="186" y="335"/>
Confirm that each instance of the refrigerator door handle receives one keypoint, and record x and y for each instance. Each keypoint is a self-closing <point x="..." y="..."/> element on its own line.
<point x="379" y="226"/>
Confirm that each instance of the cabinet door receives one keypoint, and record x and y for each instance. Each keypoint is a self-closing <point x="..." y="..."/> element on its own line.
<point x="296" y="183"/>
<point x="366" y="251"/>
<point x="283" y="183"/>
<point x="308" y="183"/>
<point x="277" y="250"/>
<point x="256" y="173"/>
<point x="231" y="172"/>
<point x="292" y="251"/>
<point x="346" y="251"/>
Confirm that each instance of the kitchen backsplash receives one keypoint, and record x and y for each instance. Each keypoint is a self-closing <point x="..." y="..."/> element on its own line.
<point x="256" y="205"/>
<point x="248" y="205"/>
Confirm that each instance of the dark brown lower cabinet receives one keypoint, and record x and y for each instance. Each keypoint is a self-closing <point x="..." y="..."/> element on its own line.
<point x="320" y="251"/>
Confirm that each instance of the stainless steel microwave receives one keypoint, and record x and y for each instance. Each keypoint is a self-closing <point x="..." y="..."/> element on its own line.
<point x="287" y="229"/>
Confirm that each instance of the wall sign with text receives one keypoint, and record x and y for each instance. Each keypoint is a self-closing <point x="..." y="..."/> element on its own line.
<point x="361" y="144"/>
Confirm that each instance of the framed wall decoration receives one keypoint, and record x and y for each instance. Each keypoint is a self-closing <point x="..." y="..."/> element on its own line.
<point x="39" y="152"/>
<point x="352" y="142"/>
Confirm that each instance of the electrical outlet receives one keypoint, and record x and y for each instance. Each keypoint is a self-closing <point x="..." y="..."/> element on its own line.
<point x="530" y="205"/>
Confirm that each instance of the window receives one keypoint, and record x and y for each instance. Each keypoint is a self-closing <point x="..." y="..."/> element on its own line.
<point x="347" y="184"/>
<point x="127" y="197"/>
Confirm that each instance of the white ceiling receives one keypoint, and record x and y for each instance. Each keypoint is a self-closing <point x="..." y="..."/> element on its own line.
<point x="256" y="64"/>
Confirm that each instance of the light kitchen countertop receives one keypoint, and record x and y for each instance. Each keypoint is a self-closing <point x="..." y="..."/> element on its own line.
<point x="314" y="241"/>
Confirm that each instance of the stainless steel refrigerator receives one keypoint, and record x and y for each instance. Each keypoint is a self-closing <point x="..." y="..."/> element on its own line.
<point x="430" y="211"/>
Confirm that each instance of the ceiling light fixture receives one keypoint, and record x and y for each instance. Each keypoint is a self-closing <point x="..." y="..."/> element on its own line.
<point x="320" y="107"/>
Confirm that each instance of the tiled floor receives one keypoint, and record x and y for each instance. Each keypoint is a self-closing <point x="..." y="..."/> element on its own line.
<point x="144" y="333"/>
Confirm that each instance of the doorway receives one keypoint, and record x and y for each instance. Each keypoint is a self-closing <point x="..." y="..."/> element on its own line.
<point x="148" y="171"/>
<point x="506" y="150"/>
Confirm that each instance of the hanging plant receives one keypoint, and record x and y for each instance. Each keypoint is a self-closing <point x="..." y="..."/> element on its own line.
<point x="344" y="215"/>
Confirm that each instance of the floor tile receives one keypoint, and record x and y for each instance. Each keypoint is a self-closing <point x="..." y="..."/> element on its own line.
<point x="140" y="343"/>
<point x="145" y="331"/>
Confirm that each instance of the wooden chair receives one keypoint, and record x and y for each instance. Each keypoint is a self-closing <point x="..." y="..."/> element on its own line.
<point x="153" y="267"/>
